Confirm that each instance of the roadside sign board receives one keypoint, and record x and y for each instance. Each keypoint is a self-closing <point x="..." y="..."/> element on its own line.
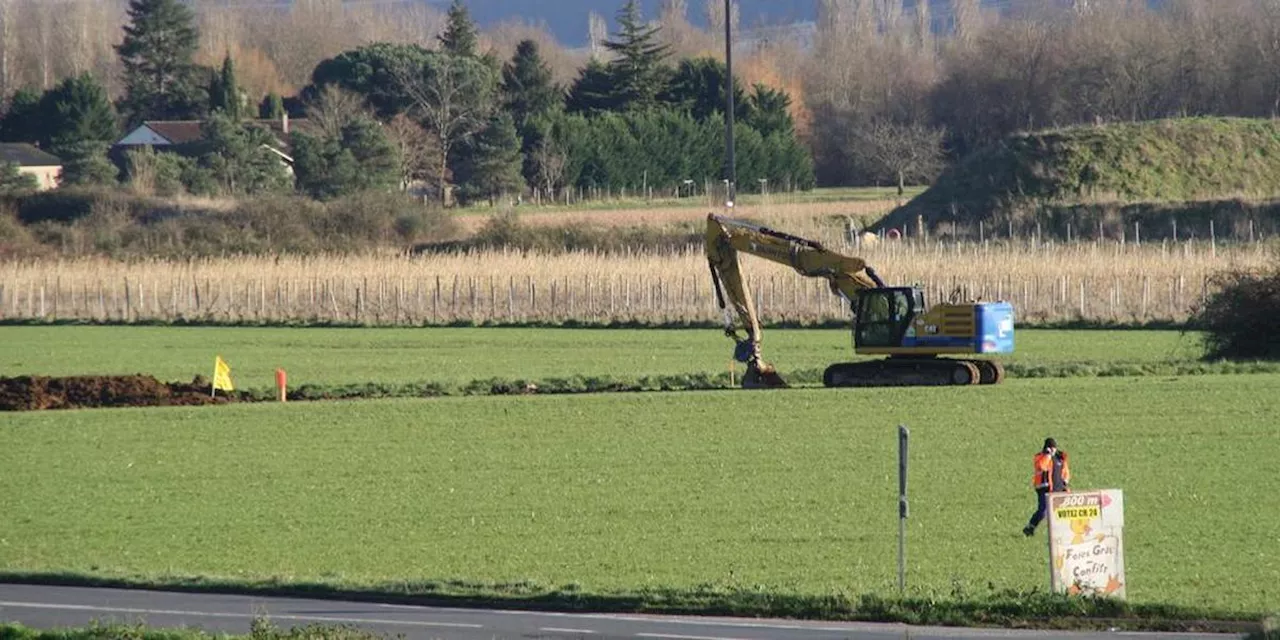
<point x="1086" y="543"/>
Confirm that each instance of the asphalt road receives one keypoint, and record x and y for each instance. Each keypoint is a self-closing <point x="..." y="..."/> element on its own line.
<point x="50" y="607"/>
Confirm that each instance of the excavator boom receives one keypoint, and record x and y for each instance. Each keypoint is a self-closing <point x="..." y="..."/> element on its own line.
<point x="726" y="238"/>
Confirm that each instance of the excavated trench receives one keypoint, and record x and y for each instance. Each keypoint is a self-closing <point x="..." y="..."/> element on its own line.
<point x="32" y="393"/>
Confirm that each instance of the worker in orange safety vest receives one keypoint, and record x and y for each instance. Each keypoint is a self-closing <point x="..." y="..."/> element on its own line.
<point x="1052" y="473"/>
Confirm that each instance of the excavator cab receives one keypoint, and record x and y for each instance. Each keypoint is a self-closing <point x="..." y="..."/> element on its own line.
<point x="883" y="315"/>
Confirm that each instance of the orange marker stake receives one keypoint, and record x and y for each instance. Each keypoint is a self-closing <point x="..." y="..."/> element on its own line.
<point x="282" y="384"/>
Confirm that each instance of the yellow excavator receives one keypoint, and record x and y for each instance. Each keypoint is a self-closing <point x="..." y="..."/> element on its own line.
<point x="887" y="321"/>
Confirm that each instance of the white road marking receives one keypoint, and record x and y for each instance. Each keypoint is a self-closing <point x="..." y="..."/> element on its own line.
<point x="699" y="622"/>
<point x="560" y="630"/>
<point x="673" y="636"/>
<point x="204" y="614"/>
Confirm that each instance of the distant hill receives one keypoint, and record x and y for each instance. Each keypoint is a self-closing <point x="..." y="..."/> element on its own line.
<point x="567" y="19"/>
<point x="1164" y="161"/>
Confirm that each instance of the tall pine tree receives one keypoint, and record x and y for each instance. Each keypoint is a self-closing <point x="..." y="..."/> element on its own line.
<point x="159" y="75"/>
<point x="460" y="37"/>
<point x="638" y="70"/>
<point x="77" y="110"/>
<point x="771" y="111"/>
<point x="527" y="88"/>
<point x="592" y="93"/>
<point x="23" y="121"/>
<point x="698" y="87"/>
<point x="224" y="91"/>
<point x="529" y="95"/>
<point x="491" y="164"/>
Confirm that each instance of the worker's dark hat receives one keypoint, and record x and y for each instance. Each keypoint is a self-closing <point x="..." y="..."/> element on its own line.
<point x="1050" y="442"/>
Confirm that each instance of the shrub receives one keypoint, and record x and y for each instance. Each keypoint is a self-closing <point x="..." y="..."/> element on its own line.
<point x="61" y="205"/>
<point x="505" y="230"/>
<point x="149" y="172"/>
<point x="16" y="241"/>
<point x="1241" y="320"/>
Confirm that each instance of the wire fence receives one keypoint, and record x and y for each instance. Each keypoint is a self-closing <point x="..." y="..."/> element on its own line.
<point x="175" y="296"/>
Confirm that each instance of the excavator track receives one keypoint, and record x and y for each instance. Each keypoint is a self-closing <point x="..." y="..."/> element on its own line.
<point x="989" y="371"/>
<point x="913" y="372"/>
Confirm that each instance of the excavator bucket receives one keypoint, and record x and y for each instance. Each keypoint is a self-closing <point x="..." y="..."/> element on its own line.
<point x="764" y="377"/>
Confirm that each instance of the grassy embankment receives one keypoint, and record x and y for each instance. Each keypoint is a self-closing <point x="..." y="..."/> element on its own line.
<point x="718" y="502"/>
<point x="1159" y="173"/>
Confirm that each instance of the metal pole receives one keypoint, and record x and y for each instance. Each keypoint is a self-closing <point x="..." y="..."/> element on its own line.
<point x="903" y="436"/>
<point x="731" y="170"/>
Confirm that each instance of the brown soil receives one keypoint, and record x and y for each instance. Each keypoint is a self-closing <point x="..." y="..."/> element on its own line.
<point x="29" y="393"/>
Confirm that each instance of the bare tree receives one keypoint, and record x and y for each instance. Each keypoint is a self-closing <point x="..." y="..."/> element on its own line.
<point x="551" y="162"/>
<point x="418" y="152"/>
<point x="333" y="109"/>
<point x="905" y="151"/>
<point x="8" y="39"/>
<point x="597" y="33"/>
<point x="889" y="16"/>
<point x="452" y="96"/>
<point x="714" y="11"/>
<point x="924" y="28"/>
<point x="683" y="38"/>
<point x="966" y="17"/>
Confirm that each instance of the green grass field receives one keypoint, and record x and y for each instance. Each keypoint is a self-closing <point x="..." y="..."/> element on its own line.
<point x="352" y="356"/>
<point x="791" y="491"/>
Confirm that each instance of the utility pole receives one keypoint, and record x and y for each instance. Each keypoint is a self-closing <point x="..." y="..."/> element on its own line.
<point x="903" y="437"/>
<point x="731" y="170"/>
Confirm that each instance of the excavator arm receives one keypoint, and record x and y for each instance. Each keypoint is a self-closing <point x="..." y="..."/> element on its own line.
<point x="726" y="238"/>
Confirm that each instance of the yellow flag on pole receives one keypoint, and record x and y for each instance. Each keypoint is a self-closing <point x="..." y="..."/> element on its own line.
<point x="221" y="375"/>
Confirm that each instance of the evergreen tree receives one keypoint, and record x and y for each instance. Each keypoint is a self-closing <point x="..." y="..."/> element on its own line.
<point x="698" y="88"/>
<point x="22" y="121"/>
<point x="592" y="93"/>
<point x="529" y="95"/>
<point x="224" y="91"/>
<point x="527" y="88"/>
<point x="271" y="107"/>
<point x="460" y="37"/>
<point x="380" y="72"/>
<point x="359" y="159"/>
<point x="491" y="163"/>
<point x="84" y="162"/>
<point x="13" y="181"/>
<point x="159" y="75"/>
<point x="374" y="153"/>
<point x="637" y="70"/>
<point x="770" y="111"/>
<point x="664" y="147"/>
<point x="76" y="110"/>
<point x="321" y="167"/>
<point x="237" y="157"/>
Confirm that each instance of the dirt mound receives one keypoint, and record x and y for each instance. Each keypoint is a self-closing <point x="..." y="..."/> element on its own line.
<point x="30" y="393"/>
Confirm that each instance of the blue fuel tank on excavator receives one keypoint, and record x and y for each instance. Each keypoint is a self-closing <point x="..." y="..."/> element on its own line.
<point x="994" y="327"/>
